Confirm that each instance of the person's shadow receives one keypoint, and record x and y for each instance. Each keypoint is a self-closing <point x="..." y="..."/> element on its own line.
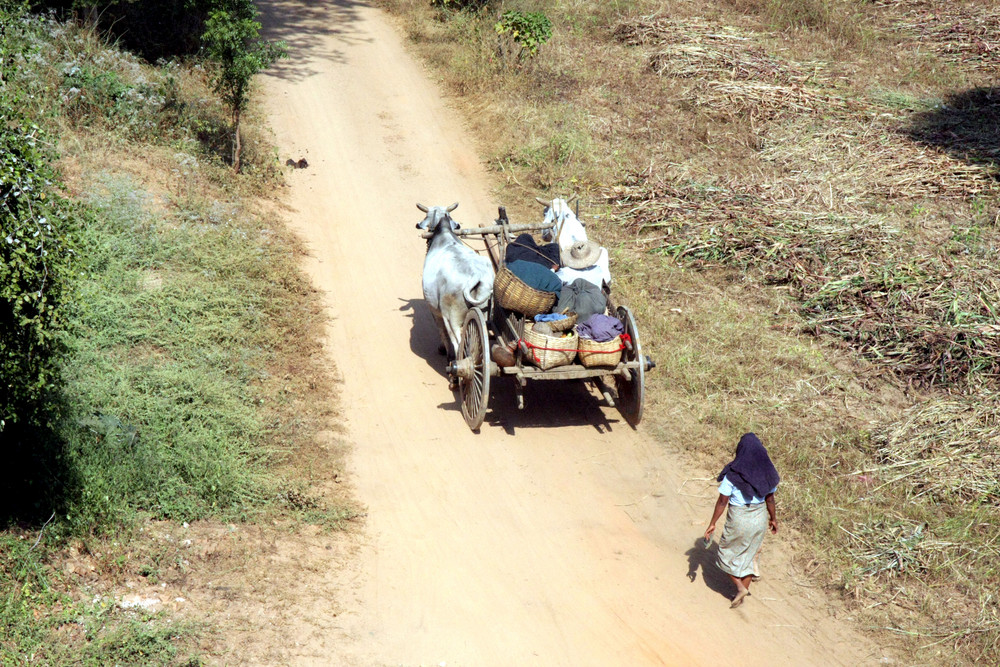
<point x="700" y="556"/>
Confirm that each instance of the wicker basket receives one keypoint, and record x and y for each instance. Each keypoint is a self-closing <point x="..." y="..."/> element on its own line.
<point x="549" y="351"/>
<point x="564" y="324"/>
<point x="513" y="294"/>
<point x="608" y="353"/>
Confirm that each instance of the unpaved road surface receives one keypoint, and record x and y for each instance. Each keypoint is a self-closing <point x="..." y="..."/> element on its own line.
<point x="555" y="536"/>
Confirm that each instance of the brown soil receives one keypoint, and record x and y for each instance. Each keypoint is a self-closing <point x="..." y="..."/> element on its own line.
<point x="558" y="535"/>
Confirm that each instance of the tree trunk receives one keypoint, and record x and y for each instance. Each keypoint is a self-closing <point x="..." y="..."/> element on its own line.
<point x="237" y="146"/>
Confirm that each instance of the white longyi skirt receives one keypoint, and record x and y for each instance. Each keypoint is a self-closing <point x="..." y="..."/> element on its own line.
<point x="742" y="537"/>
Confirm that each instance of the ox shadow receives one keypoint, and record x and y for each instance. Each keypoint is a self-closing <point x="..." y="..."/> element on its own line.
<point x="425" y="340"/>
<point x="705" y="558"/>
<point x="966" y="125"/>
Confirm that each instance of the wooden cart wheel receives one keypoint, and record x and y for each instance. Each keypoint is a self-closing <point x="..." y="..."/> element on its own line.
<point x="631" y="389"/>
<point x="473" y="368"/>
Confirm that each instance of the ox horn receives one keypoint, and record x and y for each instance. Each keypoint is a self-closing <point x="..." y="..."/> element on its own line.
<point x="543" y="202"/>
<point x="452" y="207"/>
<point x="422" y="207"/>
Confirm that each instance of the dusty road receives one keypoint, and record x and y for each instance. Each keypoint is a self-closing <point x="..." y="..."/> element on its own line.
<point x="556" y="536"/>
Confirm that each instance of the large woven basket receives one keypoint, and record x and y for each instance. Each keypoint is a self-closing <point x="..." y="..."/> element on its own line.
<point x="513" y="294"/>
<point x="593" y="354"/>
<point x="549" y="351"/>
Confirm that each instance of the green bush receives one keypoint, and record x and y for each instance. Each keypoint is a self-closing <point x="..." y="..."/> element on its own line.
<point x="36" y="254"/>
<point x="462" y="5"/>
<point x="522" y="33"/>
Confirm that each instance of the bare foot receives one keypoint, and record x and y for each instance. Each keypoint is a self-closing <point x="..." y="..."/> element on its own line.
<point x="738" y="600"/>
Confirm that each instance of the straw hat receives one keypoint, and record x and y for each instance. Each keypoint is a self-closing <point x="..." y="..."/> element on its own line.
<point x="580" y="255"/>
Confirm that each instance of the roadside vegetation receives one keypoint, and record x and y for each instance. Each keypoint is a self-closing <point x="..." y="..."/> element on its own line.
<point x="801" y="199"/>
<point x="146" y="296"/>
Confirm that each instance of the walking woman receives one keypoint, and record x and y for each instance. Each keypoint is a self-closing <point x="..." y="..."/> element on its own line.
<point x="748" y="483"/>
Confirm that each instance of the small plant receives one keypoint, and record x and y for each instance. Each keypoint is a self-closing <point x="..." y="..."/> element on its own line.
<point x="521" y="34"/>
<point x="462" y="5"/>
<point x="87" y="92"/>
<point x="232" y="41"/>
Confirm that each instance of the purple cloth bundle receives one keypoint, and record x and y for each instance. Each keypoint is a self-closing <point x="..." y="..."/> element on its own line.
<point x="600" y="328"/>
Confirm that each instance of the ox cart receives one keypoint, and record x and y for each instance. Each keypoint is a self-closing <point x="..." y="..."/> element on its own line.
<point x="493" y="325"/>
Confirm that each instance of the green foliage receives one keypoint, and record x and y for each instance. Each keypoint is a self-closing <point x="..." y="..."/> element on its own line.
<point x="104" y="632"/>
<point x="24" y="585"/>
<point x="232" y="41"/>
<point x="87" y="92"/>
<point x="521" y="33"/>
<point x="173" y="335"/>
<point x="36" y="255"/>
<point x="462" y="5"/>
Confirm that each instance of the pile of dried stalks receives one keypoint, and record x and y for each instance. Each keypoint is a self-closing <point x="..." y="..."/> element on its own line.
<point x="818" y="222"/>
<point x="947" y="450"/>
<point x="860" y="158"/>
<point x="733" y="74"/>
<point x="883" y="548"/>
<point x="925" y="319"/>
<point x="966" y="34"/>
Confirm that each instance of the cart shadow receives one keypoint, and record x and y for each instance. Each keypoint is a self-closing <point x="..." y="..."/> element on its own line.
<point x="705" y="558"/>
<point x="548" y="404"/>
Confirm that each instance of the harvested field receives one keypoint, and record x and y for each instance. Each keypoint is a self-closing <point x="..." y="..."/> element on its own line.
<point x="948" y="450"/>
<point x="821" y="210"/>
<point x="875" y="205"/>
<point x="965" y="32"/>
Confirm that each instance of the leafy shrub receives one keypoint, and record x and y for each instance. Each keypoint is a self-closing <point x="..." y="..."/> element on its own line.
<point x="232" y="41"/>
<point x="521" y="34"/>
<point x="90" y="93"/>
<point x="35" y="251"/>
<point x="462" y="5"/>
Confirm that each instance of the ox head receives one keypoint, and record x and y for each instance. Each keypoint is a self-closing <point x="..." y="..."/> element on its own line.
<point x="436" y="215"/>
<point x="556" y="212"/>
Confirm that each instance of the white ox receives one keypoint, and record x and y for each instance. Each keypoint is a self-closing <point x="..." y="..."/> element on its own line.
<point x="455" y="277"/>
<point x="568" y="228"/>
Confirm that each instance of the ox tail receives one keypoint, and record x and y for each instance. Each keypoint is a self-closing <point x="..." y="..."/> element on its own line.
<point x="479" y="294"/>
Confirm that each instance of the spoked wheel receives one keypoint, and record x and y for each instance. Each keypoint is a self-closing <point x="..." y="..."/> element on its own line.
<point x="631" y="389"/>
<point x="472" y="366"/>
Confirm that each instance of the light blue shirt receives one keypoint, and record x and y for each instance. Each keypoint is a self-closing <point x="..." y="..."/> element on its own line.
<point x="736" y="496"/>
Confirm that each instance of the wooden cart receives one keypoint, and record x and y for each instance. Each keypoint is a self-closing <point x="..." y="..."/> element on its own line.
<point x="473" y="367"/>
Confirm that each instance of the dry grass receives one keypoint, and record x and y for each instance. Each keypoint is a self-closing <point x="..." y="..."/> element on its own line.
<point x="948" y="450"/>
<point x="962" y="31"/>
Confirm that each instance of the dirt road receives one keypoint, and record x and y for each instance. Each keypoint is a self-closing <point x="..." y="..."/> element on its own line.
<point x="556" y="536"/>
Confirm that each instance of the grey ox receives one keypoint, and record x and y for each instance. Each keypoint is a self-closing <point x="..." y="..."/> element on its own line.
<point x="455" y="277"/>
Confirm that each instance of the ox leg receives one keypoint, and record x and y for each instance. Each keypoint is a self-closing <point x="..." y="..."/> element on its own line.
<point x="453" y="313"/>
<point x="453" y="323"/>
<point x="442" y="332"/>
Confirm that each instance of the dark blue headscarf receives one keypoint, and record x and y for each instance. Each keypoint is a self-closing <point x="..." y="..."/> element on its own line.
<point x="751" y="471"/>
